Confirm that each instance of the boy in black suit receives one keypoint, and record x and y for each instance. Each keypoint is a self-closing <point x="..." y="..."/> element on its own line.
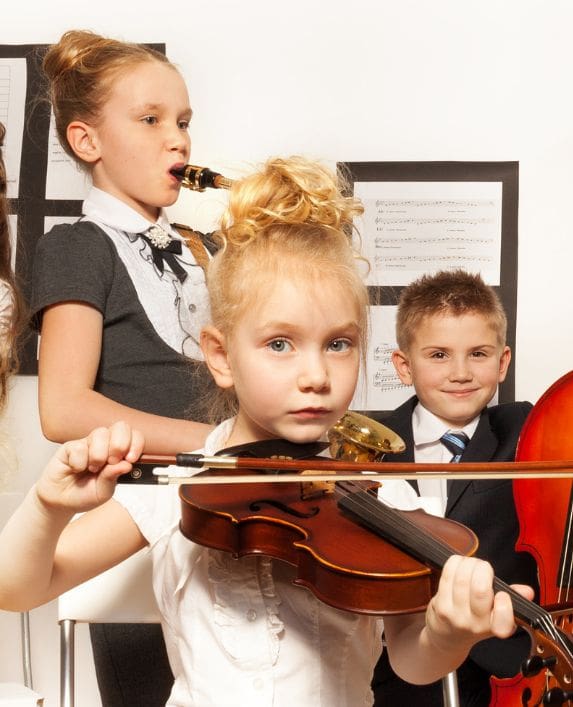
<point x="451" y="332"/>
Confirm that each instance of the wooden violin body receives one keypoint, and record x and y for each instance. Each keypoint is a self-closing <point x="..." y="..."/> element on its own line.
<point x="343" y="563"/>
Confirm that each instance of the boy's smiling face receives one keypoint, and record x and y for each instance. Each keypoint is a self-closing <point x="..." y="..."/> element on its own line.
<point x="455" y="364"/>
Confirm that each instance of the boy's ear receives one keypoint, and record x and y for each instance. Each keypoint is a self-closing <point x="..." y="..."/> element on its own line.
<point x="214" y="349"/>
<point x="402" y="366"/>
<point x="504" y="361"/>
<point x="83" y="141"/>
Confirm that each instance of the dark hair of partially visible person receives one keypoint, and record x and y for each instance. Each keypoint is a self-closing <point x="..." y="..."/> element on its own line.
<point x="11" y="325"/>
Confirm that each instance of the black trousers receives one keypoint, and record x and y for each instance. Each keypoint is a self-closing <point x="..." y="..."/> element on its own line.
<point x="131" y="664"/>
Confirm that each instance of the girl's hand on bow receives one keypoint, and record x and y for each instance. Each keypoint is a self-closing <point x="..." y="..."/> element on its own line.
<point x="83" y="473"/>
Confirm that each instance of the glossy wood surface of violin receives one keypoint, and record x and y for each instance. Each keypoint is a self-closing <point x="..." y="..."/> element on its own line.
<point x="343" y="563"/>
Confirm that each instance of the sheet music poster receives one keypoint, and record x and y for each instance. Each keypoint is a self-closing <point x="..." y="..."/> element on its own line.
<point x="45" y="186"/>
<point x="413" y="227"/>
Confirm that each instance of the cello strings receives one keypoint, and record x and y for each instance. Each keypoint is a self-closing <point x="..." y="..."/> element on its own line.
<point x="566" y="568"/>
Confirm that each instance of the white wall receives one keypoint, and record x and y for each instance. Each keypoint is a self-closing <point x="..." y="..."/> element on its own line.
<point x="362" y="80"/>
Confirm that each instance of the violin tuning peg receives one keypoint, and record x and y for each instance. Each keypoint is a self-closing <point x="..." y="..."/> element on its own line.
<point x="534" y="665"/>
<point x="557" y="696"/>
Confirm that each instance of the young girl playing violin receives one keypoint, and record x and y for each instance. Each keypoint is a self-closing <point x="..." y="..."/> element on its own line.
<point x="289" y="318"/>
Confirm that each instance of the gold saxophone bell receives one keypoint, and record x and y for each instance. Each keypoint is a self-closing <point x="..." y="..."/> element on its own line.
<point x="356" y="437"/>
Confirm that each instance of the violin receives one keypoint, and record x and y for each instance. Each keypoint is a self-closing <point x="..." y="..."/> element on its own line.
<point x="340" y="560"/>
<point x="350" y="550"/>
<point x="291" y="513"/>
<point x="544" y="509"/>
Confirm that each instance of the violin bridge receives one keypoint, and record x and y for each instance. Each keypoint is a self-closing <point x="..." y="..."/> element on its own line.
<point x="312" y="489"/>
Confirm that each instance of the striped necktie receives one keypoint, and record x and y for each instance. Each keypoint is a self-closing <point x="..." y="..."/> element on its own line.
<point x="455" y="442"/>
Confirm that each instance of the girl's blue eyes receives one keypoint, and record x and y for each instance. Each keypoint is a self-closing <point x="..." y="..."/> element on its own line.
<point x="340" y="345"/>
<point x="282" y="345"/>
<point x="152" y="120"/>
<point x="279" y="345"/>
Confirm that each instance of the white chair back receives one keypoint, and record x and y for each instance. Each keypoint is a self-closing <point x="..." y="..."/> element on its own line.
<point x="123" y="594"/>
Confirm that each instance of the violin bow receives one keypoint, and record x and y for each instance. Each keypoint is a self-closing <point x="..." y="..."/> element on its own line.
<point x="184" y="468"/>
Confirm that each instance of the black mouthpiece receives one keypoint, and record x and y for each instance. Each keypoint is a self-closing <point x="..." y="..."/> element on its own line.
<point x="200" y="178"/>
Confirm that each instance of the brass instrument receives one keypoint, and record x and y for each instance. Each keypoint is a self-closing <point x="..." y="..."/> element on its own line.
<point x="200" y="178"/>
<point x="358" y="438"/>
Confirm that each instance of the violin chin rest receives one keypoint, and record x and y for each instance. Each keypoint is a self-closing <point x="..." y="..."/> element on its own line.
<point x="275" y="448"/>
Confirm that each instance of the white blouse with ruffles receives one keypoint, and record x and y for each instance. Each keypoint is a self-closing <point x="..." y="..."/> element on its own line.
<point x="240" y="632"/>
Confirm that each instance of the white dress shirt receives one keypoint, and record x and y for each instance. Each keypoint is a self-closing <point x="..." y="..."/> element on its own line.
<point x="427" y="430"/>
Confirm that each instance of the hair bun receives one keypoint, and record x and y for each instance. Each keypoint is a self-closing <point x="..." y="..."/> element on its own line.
<point x="288" y="191"/>
<point x="69" y="52"/>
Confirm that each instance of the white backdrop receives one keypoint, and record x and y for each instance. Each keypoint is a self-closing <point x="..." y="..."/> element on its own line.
<point x="364" y="80"/>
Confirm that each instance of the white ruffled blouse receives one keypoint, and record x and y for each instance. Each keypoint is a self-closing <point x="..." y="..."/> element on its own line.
<point x="238" y="631"/>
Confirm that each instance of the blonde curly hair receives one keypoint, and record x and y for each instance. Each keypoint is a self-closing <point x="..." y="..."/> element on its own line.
<point x="290" y="218"/>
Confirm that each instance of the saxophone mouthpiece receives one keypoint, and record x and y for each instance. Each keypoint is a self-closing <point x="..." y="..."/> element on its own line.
<point x="200" y="178"/>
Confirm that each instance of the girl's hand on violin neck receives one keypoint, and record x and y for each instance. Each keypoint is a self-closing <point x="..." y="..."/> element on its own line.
<point x="83" y="473"/>
<point x="465" y="609"/>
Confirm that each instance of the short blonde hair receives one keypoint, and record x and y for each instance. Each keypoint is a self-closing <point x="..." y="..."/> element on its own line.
<point x="454" y="292"/>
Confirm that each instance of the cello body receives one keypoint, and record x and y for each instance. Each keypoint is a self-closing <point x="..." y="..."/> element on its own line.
<point x="544" y="509"/>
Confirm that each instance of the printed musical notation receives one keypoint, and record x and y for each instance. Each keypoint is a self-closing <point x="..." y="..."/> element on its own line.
<point x="64" y="179"/>
<point x="382" y="354"/>
<point x="386" y="381"/>
<point x="381" y="389"/>
<point x="449" y="204"/>
<point x="445" y="261"/>
<point x="411" y="228"/>
<point x="12" y="103"/>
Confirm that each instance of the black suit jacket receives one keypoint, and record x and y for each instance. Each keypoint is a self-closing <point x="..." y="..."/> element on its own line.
<point x="487" y="507"/>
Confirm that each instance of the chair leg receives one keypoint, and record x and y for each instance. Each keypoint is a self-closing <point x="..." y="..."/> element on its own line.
<point x="450" y="690"/>
<point x="67" y="662"/>
<point x="26" y="650"/>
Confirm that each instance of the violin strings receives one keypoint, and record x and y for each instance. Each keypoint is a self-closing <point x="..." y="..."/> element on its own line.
<point x="392" y="524"/>
<point x="567" y="565"/>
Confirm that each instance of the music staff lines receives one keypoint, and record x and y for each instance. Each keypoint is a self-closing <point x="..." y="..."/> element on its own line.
<point x="435" y="203"/>
<point x="382" y="242"/>
<point x="412" y="221"/>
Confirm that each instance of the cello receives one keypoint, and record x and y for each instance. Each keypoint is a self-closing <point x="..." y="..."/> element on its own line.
<point x="545" y="512"/>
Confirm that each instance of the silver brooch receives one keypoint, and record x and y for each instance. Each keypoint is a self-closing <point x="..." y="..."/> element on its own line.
<point x="158" y="237"/>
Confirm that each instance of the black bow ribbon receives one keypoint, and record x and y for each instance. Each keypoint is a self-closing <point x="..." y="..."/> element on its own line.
<point x="167" y="255"/>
